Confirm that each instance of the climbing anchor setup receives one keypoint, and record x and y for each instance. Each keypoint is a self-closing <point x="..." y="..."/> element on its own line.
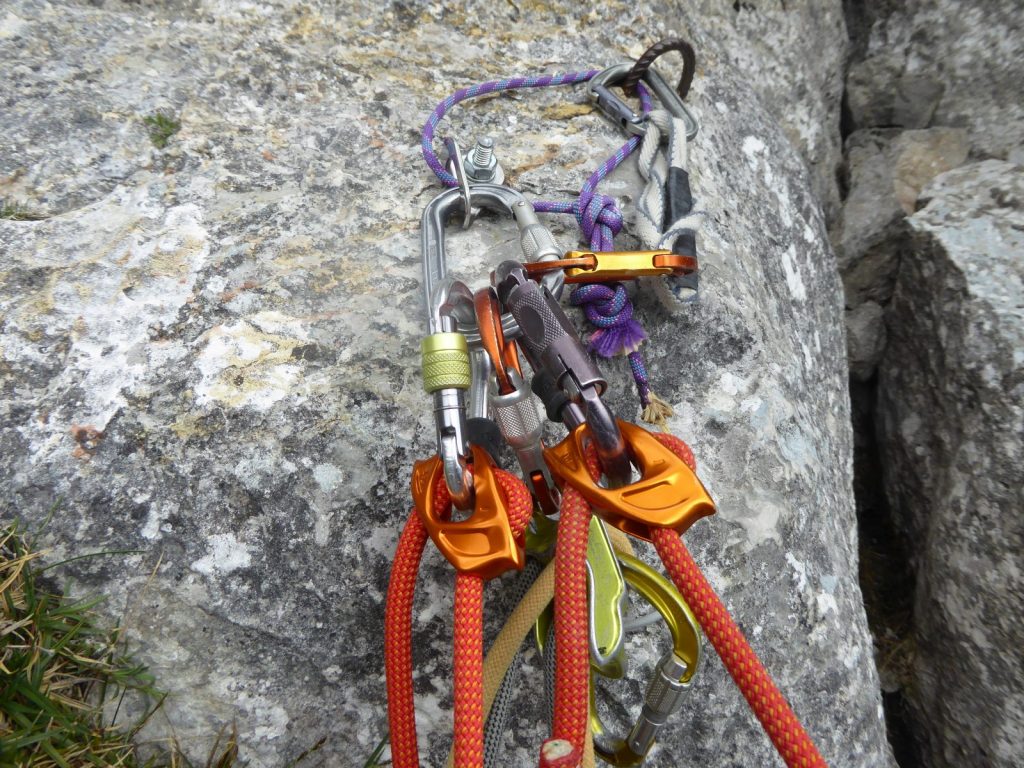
<point x="567" y="514"/>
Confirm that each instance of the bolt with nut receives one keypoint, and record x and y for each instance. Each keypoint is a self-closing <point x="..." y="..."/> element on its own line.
<point x="481" y="164"/>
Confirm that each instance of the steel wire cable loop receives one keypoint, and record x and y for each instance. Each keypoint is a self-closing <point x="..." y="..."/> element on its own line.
<point x="636" y="74"/>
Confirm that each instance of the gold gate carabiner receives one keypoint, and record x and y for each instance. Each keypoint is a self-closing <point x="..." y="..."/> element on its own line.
<point x="673" y="674"/>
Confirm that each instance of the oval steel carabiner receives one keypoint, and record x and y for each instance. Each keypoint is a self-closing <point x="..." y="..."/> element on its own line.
<point x="536" y="247"/>
<point x="451" y="321"/>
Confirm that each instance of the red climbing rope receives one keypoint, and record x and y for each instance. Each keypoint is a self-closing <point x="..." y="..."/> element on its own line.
<point x="468" y="640"/>
<point x="571" y="715"/>
<point x="572" y="648"/>
<point x="468" y="669"/>
<point x="753" y="680"/>
<point x="398" y="643"/>
<point x="468" y="665"/>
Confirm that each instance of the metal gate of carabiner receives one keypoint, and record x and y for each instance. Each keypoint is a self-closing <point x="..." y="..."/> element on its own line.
<point x="617" y="110"/>
<point x="673" y="674"/>
<point x="451" y="323"/>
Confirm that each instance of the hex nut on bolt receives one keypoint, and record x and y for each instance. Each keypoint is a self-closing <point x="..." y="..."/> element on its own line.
<point x="482" y="165"/>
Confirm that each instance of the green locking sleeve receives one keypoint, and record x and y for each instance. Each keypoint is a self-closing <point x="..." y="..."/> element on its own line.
<point x="445" y="362"/>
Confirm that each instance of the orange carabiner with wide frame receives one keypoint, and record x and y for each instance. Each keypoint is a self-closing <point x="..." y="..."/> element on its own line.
<point x="502" y="351"/>
<point x="614" y="266"/>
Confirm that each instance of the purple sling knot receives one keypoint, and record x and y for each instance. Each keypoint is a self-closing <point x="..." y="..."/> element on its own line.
<point x="609" y="308"/>
<point x="599" y="218"/>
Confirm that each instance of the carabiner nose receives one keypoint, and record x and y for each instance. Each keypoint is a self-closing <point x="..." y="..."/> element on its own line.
<point x="537" y="243"/>
<point x="622" y="115"/>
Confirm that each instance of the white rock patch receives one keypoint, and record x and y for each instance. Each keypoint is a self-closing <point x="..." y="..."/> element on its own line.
<point x="227" y="554"/>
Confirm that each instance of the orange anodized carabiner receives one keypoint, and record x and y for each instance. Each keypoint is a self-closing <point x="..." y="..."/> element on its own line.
<point x="503" y="353"/>
<point x="667" y="495"/>
<point x="483" y="544"/>
<point x="591" y="267"/>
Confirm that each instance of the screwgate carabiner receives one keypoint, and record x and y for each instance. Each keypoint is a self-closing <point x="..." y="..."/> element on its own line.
<point x="498" y="198"/>
<point x="512" y="405"/>
<point x="554" y="350"/>
<point x="673" y="675"/>
<point x="617" y="110"/>
<point x="451" y="323"/>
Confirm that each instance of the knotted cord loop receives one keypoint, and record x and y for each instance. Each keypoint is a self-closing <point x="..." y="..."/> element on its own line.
<point x="599" y="219"/>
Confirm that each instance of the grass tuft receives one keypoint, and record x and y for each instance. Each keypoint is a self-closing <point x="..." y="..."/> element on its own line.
<point x="15" y="211"/>
<point x="63" y="674"/>
<point x="161" y="128"/>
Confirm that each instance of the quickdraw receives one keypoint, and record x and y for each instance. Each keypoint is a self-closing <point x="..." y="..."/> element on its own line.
<point x="485" y="520"/>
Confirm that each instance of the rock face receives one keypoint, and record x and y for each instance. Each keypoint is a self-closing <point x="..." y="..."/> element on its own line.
<point x="943" y="62"/>
<point x="865" y="339"/>
<point x="209" y="353"/>
<point x="951" y="423"/>
<point x="886" y="170"/>
<point x="869" y="229"/>
<point x="931" y="82"/>
<point x="793" y="54"/>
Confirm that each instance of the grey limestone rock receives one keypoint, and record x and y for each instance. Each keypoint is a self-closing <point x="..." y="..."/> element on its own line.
<point x="951" y="423"/>
<point x="793" y="54"/>
<point x="869" y="229"/>
<point x="953" y="63"/>
<point x="209" y="353"/>
<point x="865" y="339"/>
<point x="879" y="93"/>
<point x="887" y="169"/>
<point x="922" y="155"/>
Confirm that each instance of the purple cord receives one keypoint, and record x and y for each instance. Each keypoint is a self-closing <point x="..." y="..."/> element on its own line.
<point x="512" y="83"/>
<point x="597" y="215"/>
<point x="606" y="305"/>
